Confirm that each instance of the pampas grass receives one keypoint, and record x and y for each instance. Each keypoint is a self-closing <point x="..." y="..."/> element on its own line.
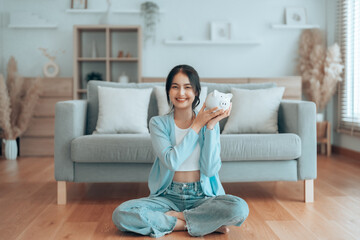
<point x="5" y="110"/>
<point x="320" y="69"/>
<point x="18" y="99"/>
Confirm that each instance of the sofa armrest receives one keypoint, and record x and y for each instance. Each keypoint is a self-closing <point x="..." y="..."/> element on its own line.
<point x="70" y="122"/>
<point x="299" y="117"/>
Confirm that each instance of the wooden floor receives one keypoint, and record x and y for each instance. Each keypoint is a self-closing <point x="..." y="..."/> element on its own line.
<point x="28" y="207"/>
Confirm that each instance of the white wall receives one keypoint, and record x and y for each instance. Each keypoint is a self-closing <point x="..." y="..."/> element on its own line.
<point x="276" y="56"/>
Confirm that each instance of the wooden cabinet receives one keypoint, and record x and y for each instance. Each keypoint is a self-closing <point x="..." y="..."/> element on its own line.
<point x="323" y="135"/>
<point x="38" y="140"/>
<point x="109" y="50"/>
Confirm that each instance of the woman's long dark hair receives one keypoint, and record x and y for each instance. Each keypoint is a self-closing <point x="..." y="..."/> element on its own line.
<point x="194" y="79"/>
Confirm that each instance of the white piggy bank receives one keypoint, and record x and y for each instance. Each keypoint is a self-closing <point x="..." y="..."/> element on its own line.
<point x="218" y="99"/>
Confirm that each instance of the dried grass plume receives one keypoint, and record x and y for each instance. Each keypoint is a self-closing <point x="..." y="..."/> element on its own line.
<point x="320" y="69"/>
<point x="18" y="99"/>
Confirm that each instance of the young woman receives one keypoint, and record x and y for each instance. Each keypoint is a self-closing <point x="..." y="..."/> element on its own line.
<point x="185" y="191"/>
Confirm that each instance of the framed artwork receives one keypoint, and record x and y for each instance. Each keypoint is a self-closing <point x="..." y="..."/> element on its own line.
<point x="220" y="31"/>
<point x="78" y="4"/>
<point x="295" y="16"/>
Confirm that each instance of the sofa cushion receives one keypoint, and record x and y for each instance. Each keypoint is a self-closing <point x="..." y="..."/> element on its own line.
<point x="254" y="111"/>
<point x="245" y="147"/>
<point x="128" y="148"/>
<point x="123" y="110"/>
<point x="137" y="148"/>
<point x="93" y="98"/>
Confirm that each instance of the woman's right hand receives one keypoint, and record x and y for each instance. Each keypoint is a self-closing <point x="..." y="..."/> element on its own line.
<point x="204" y="116"/>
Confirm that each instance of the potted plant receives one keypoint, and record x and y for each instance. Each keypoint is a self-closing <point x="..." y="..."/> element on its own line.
<point x="321" y="69"/>
<point x="18" y="99"/>
<point x="150" y="13"/>
<point x="92" y="76"/>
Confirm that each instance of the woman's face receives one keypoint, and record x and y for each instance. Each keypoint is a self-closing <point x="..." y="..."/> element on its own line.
<point x="181" y="92"/>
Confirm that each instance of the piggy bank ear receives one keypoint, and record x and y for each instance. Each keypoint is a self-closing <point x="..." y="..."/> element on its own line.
<point x="229" y="95"/>
<point x="216" y="93"/>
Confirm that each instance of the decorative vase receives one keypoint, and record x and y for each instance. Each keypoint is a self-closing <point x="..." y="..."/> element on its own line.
<point x="320" y="117"/>
<point x="123" y="78"/>
<point x="51" y="69"/>
<point x="11" y="149"/>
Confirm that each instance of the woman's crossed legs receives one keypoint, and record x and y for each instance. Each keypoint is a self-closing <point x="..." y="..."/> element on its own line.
<point x="157" y="216"/>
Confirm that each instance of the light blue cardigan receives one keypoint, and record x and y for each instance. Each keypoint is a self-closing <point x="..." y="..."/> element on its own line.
<point x="170" y="156"/>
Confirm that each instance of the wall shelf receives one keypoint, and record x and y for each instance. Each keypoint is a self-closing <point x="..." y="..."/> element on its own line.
<point x="209" y="42"/>
<point x="92" y="59"/>
<point x="33" y="26"/>
<point x="124" y="59"/>
<point x="85" y="11"/>
<point x="284" y="26"/>
<point x="130" y="11"/>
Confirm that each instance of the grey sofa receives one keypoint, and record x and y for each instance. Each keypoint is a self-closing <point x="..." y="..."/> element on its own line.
<point x="83" y="157"/>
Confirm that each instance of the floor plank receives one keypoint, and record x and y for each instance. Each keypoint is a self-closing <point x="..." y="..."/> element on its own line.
<point x="76" y="230"/>
<point x="290" y="230"/>
<point x="47" y="224"/>
<point x="307" y="215"/>
<point x="277" y="211"/>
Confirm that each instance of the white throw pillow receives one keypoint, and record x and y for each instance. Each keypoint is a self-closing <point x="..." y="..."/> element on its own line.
<point x="163" y="105"/>
<point x="254" y="111"/>
<point x="123" y="110"/>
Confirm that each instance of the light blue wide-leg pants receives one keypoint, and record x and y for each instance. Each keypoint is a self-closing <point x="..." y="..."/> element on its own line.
<point x="203" y="214"/>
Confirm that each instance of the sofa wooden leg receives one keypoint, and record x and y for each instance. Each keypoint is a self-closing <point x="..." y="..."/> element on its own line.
<point x="61" y="193"/>
<point x="309" y="190"/>
<point x="328" y="143"/>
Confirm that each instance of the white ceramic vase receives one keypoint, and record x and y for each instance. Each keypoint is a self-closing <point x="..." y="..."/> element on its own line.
<point x="11" y="149"/>
<point x="123" y="78"/>
<point x="320" y="117"/>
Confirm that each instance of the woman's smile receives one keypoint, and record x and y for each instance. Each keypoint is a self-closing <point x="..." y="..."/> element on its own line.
<point x="181" y="99"/>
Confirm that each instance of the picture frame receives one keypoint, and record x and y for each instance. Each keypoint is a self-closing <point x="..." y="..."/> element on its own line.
<point x="295" y="16"/>
<point x="78" y="4"/>
<point x="220" y="31"/>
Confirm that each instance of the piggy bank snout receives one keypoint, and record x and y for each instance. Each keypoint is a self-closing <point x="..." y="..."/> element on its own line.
<point x="224" y="105"/>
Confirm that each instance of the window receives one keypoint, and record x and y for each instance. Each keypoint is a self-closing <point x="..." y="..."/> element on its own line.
<point x="349" y="92"/>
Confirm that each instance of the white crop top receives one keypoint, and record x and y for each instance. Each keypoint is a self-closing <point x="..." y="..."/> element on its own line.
<point x="192" y="162"/>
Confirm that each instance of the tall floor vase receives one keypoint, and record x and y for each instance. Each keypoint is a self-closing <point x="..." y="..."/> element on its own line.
<point x="11" y="149"/>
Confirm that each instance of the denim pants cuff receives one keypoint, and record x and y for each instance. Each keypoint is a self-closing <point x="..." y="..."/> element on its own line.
<point x="198" y="229"/>
<point x="187" y="222"/>
<point x="162" y="233"/>
<point x="192" y="229"/>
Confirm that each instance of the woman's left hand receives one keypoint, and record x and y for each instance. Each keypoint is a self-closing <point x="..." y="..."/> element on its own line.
<point x="211" y="123"/>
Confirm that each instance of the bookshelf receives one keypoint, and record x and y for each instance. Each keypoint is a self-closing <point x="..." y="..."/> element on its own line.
<point x="97" y="48"/>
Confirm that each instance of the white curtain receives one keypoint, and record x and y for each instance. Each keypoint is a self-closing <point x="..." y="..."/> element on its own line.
<point x="349" y="91"/>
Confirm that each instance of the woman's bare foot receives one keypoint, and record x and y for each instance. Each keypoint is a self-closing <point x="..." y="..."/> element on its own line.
<point x="172" y="213"/>
<point x="223" y="229"/>
<point x="178" y="215"/>
<point x="180" y="223"/>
